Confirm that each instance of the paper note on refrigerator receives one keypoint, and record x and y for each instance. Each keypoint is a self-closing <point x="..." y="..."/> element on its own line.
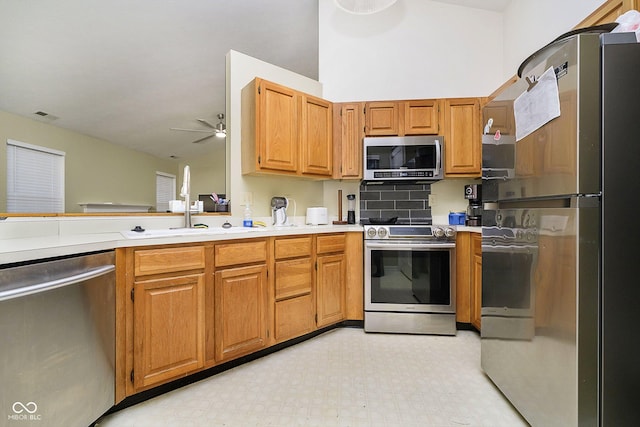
<point x="538" y="105"/>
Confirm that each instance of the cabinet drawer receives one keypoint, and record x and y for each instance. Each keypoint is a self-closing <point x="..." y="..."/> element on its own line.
<point x="155" y="261"/>
<point x="240" y="253"/>
<point x="293" y="278"/>
<point x="291" y="248"/>
<point x="294" y="317"/>
<point x="330" y="243"/>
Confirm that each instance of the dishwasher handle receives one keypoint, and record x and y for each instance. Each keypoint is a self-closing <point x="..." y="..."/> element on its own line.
<point x="57" y="283"/>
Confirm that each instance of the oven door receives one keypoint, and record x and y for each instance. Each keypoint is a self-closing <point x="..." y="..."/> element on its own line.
<point x="405" y="276"/>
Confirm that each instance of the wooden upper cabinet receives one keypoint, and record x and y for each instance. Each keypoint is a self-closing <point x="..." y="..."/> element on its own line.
<point x="317" y="136"/>
<point x="609" y="12"/>
<point x="285" y="131"/>
<point x="462" y="137"/>
<point x="420" y="117"/>
<point x="348" y="123"/>
<point x="269" y="128"/>
<point x="400" y="118"/>
<point x="382" y="118"/>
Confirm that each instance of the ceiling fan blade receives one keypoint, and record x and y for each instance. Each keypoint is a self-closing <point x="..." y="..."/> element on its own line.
<point x="202" y="139"/>
<point x="192" y="130"/>
<point x="206" y="123"/>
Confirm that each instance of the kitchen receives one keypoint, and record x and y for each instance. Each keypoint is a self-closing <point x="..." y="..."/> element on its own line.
<point x="328" y="189"/>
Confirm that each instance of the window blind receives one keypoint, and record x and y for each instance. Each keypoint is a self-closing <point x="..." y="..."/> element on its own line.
<point x="35" y="178"/>
<point x="165" y="190"/>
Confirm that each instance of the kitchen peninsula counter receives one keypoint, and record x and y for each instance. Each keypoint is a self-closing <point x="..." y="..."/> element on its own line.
<point x="33" y="238"/>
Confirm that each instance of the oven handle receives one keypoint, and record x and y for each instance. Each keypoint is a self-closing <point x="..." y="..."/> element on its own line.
<point x="425" y="246"/>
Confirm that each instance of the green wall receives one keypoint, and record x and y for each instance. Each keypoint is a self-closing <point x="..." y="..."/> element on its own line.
<point x="96" y="171"/>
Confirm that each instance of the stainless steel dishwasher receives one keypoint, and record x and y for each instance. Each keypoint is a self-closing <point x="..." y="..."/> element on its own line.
<point x="57" y="341"/>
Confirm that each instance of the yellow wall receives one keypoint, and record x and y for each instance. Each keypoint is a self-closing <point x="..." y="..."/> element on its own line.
<point x="96" y="171"/>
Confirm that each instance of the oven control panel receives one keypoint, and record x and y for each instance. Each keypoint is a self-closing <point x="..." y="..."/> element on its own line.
<point x="422" y="232"/>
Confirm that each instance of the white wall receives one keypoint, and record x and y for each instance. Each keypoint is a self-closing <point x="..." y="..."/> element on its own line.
<point x="414" y="49"/>
<point x="241" y="69"/>
<point x="427" y="49"/>
<point x="529" y="25"/>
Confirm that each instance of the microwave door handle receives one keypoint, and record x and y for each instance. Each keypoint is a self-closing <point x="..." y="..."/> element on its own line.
<point x="439" y="159"/>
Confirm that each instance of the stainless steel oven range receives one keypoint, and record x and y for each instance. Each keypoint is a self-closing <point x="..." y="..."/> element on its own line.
<point x="409" y="279"/>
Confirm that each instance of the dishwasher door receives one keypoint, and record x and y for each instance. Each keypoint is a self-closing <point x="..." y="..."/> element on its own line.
<point x="57" y="332"/>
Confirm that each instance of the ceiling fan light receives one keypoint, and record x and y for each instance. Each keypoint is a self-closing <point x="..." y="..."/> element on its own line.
<point x="221" y="129"/>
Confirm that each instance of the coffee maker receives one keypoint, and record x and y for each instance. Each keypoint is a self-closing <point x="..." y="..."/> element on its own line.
<point x="473" y="193"/>
<point x="279" y="211"/>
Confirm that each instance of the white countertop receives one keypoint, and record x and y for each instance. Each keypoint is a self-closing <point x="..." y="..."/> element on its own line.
<point x="31" y="239"/>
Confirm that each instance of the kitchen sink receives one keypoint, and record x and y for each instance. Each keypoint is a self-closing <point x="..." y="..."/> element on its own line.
<point x="176" y="232"/>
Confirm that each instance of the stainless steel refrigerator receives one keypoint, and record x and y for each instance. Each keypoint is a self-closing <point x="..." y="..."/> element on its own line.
<point x="560" y="270"/>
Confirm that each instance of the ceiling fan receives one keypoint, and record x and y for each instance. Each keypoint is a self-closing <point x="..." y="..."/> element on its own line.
<point x="219" y="130"/>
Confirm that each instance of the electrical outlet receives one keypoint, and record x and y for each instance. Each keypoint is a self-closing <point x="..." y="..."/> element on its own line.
<point x="248" y="198"/>
<point x="432" y="200"/>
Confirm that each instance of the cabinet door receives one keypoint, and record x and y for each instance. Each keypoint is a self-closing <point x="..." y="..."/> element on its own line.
<point x="277" y="127"/>
<point x="330" y="289"/>
<point x="421" y="117"/>
<point x="349" y="124"/>
<point x="476" y="280"/>
<point x="240" y="302"/>
<point x="168" y="328"/>
<point x="464" y="274"/>
<point x="381" y="118"/>
<point x="316" y="136"/>
<point x="354" y="277"/>
<point x="462" y="137"/>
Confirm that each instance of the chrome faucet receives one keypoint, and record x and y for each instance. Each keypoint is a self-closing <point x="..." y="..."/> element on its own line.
<point x="184" y="192"/>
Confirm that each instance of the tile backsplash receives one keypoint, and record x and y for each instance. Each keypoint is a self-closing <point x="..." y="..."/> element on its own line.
<point x="409" y="202"/>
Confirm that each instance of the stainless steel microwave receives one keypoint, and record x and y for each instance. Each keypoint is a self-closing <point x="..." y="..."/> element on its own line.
<point x="415" y="158"/>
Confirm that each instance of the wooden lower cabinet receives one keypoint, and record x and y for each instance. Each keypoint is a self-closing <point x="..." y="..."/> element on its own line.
<point x="476" y="279"/>
<point x="240" y="301"/>
<point x="463" y="276"/>
<point x="293" y="285"/>
<point x="168" y="328"/>
<point x="294" y="317"/>
<point x="354" y="258"/>
<point x="330" y="289"/>
<point x="185" y="308"/>
<point x="469" y="278"/>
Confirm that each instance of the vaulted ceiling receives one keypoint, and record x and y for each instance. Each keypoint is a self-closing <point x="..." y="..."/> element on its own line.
<point x="128" y="71"/>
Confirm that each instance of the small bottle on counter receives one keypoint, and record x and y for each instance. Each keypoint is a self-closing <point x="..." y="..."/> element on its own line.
<point x="248" y="221"/>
